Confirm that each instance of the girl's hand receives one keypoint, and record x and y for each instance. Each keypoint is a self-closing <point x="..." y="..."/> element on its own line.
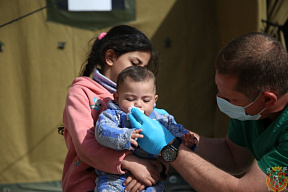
<point x="132" y="184"/>
<point x="146" y="171"/>
<point x="190" y="140"/>
<point x="135" y="134"/>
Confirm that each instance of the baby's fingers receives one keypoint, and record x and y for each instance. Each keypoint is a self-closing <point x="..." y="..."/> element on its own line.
<point x="133" y="143"/>
<point x="136" y="134"/>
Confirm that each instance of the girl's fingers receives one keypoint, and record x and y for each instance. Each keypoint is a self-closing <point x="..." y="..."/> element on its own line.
<point x="136" y="187"/>
<point x="131" y="184"/>
<point x="128" y="180"/>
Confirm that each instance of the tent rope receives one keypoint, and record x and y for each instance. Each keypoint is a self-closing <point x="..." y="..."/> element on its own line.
<point x="17" y="19"/>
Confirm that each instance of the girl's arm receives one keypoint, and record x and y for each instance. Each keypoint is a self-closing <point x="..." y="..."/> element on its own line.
<point x="79" y="125"/>
<point x="147" y="171"/>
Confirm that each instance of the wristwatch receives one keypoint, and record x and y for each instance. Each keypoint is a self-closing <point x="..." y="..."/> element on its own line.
<point x="169" y="152"/>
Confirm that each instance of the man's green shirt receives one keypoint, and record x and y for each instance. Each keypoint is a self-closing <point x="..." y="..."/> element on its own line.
<point x="269" y="145"/>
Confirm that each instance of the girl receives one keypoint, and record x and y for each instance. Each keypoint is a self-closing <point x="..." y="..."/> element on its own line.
<point x="121" y="47"/>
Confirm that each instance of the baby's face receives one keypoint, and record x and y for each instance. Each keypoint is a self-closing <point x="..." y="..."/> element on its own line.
<point x="138" y="94"/>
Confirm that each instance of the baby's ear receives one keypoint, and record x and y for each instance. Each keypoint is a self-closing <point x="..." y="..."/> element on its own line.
<point x="156" y="98"/>
<point x="116" y="97"/>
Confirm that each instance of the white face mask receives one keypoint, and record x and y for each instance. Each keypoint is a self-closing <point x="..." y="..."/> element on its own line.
<point x="236" y="112"/>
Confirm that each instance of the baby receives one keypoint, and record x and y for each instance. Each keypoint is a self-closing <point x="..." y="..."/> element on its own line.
<point x="136" y="87"/>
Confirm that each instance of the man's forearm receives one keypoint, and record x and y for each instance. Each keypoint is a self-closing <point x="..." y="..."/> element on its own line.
<point x="221" y="153"/>
<point x="221" y="157"/>
<point x="204" y="176"/>
<point x="200" y="174"/>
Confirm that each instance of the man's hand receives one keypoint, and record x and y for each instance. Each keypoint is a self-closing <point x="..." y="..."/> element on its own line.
<point x="156" y="136"/>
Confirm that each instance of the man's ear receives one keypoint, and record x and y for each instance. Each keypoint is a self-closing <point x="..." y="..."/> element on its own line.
<point x="110" y="57"/>
<point x="116" y="97"/>
<point x="270" y="99"/>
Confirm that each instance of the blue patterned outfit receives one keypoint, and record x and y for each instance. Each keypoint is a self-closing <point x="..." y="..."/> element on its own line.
<point x="113" y="130"/>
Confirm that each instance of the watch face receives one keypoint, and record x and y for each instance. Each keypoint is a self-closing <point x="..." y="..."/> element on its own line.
<point x="169" y="153"/>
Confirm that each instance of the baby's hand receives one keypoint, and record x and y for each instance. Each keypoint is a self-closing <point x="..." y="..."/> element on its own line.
<point x="135" y="134"/>
<point x="189" y="140"/>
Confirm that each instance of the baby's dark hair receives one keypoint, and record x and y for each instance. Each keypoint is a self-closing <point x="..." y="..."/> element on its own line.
<point x="122" y="39"/>
<point x="136" y="74"/>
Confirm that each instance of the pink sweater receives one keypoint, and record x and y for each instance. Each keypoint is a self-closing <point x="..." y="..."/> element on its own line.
<point x="85" y="101"/>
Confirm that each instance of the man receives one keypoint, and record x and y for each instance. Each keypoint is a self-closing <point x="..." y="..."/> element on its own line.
<point x="252" y="81"/>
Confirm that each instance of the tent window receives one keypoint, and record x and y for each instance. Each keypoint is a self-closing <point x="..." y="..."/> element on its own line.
<point x="123" y="11"/>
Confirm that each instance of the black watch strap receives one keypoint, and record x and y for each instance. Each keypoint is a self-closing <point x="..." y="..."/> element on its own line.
<point x="176" y="143"/>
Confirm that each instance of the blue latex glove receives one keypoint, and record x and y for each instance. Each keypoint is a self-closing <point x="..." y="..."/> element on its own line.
<point x="156" y="136"/>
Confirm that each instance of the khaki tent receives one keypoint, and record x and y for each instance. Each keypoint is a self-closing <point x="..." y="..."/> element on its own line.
<point x="35" y="74"/>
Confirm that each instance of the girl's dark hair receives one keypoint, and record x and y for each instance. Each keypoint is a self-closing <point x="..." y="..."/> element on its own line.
<point x="136" y="74"/>
<point x="122" y="39"/>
